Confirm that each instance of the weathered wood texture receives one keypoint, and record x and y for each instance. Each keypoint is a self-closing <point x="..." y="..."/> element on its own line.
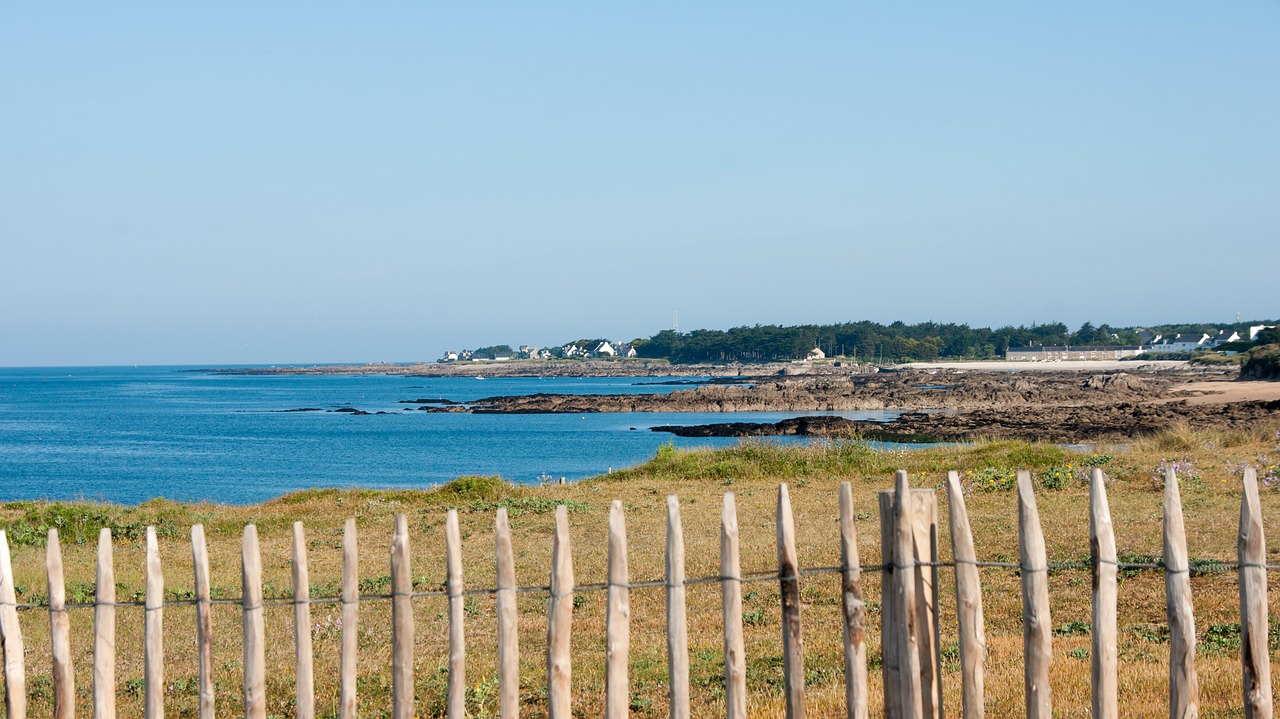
<point x="1104" y="662"/>
<point x="350" y="622"/>
<point x="973" y="635"/>
<point x="456" y="700"/>
<point x="617" y="699"/>
<point x="1184" y="687"/>
<point x="677" y="616"/>
<point x="104" y="632"/>
<point x="204" y="620"/>
<point x="255" y="640"/>
<point x="1037" y="627"/>
<point x="1252" y="554"/>
<point x="304" y="681"/>
<point x="855" y="611"/>
<point x="735" y="661"/>
<point x="919" y="527"/>
<point x="15" y="681"/>
<point x="402" y="624"/>
<point x="64" y="681"/>
<point x="789" y="594"/>
<point x="153" y="634"/>
<point x="560" y="622"/>
<point x="508" y="620"/>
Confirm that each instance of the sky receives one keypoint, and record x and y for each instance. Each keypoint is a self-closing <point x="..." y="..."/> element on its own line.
<point x="245" y="182"/>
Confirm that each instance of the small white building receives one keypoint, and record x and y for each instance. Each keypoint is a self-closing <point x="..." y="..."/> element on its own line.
<point x="1255" y="329"/>
<point x="1180" y="343"/>
<point x="449" y="356"/>
<point x="604" y="349"/>
<point x="816" y="354"/>
<point x="1224" y="337"/>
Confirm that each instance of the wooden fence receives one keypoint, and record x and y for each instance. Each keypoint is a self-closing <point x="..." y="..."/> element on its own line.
<point x="911" y="661"/>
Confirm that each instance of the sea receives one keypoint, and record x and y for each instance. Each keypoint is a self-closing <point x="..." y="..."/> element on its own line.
<point x="131" y="434"/>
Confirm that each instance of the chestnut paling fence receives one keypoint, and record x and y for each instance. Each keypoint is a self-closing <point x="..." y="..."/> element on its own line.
<point x="910" y="647"/>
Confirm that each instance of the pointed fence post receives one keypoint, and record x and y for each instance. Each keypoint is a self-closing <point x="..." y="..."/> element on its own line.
<point x="735" y="662"/>
<point x="204" y="620"/>
<point x="1037" y="627"/>
<point x="560" y="622"/>
<point x="1184" y="687"/>
<point x="255" y="695"/>
<point x="677" y="615"/>
<point x="15" y="671"/>
<point x="617" y="699"/>
<point x="457" y="687"/>
<point x="1102" y="551"/>
<point x="508" y="620"/>
<point x="304" y="682"/>
<point x="402" y="624"/>
<point x="901" y="627"/>
<point x="104" y="632"/>
<point x="64" y="681"/>
<point x="789" y="598"/>
<point x="1255" y="656"/>
<point x="153" y="649"/>
<point x="350" y="621"/>
<point x="855" y="611"/>
<point x="973" y="636"/>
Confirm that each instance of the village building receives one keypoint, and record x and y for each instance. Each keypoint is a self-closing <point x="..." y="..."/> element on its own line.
<point x="1040" y="353"/>
<point x="1179" y="343"/>
<point x="604" y="349"/>
<point x="816" y="354"/>
<point x="1255" y="329"/>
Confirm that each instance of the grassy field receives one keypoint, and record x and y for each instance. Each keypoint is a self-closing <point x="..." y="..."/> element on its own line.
<point x="752" y="471"/>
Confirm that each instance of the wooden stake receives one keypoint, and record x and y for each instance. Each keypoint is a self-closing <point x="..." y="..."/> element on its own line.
<point x="1254" y="653"/>
<point x="855" y="611"/>
<point x="457" y="689"/>
<point x="560" y="622"/>
<point x="973" y="635"/>
<point x="255" y="695"/>
<point x="204" y="620"/>
<point x="402" y="625"/>
<point x="508" y="618"/>
<point x="153" y="649"/>
<point x="350" y="621"/>
<point x="1104" y="660"/>
<point x="735" y="661"/>
<point x="304" y="682"/>
<point x="910" y="681"/>
<point x="617" y="699"/>
<point x="104" y="632"/>
<point x="64" y="681"/>
<point x="15" y="670"/>
<point x="1184" y="688"/>
<point x="1037" y="627"/>
<point x="677" y="615"/>
<point x="789" y="597"/>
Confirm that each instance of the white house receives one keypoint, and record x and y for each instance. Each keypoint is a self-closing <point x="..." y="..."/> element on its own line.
<point x="1224" y="337"/>
<point x="604" y="349"/>
<point x="449" y="356"/>
<point x="1180" y="343"/>
<point x="816" y="354"/>
<point x="1255" y="329"/>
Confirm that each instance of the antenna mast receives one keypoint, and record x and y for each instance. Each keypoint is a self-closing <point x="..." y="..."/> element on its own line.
<point x="675" y="321"/>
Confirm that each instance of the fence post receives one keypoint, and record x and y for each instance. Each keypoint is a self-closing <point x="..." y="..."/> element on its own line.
<point x="402" y="624"/>
<point x="677" y="616"/>
<point x="15" y="682"/>
<point x="1037" y="627"/>
<point x="304" y="678"/>
<point x="1184" y="688"/>
<point x="350" y="621"/>
<point x="1102" y="552"/>
<point x="64" y="681"/>
<point x="560" y="622"/>
<point x="508" y="618"/>
<point x="104" y="632"/>
<point x="855" y="611"/>
<point x="973" y="636"/>
<point x="789" y="598"/>
<point x="617" y="700"/>
<point x="255" y="696"/>
<point x="1254" y="652"/>
<point x="457" y="685"/>
<point x="153" y="649"/>
<point x="204" y="620"/>
<point x="735" y="661"/>
<point x="909" y="688"/>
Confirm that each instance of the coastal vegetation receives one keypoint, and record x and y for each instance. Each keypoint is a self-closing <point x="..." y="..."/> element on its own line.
<point x="1209" y="462"/>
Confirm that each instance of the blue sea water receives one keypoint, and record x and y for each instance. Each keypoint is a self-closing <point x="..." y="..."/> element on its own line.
<point x="129" y="434"/>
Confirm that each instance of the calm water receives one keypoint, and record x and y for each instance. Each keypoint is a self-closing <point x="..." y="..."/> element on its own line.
<point x="129" y="434"/>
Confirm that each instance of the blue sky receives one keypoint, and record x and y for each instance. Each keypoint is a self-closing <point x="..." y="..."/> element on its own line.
<point x="268" y="182"/>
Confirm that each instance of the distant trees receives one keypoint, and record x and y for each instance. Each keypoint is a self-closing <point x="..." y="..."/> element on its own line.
<point x="493" y="351"/>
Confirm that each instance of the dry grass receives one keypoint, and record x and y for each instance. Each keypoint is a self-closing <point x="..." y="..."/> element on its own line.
<point x="752" y="472"/>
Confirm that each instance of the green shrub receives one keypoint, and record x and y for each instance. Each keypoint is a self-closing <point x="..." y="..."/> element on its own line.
<point x="1261" y="363"/>
<point x="1057" y="478"/>
<point x="992" y="479"/>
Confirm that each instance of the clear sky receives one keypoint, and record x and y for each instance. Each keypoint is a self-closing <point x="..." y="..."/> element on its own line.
<point x="309" y="182"/>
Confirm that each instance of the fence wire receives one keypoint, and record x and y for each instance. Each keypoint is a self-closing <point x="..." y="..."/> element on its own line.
<point x="1210" y="566"/>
